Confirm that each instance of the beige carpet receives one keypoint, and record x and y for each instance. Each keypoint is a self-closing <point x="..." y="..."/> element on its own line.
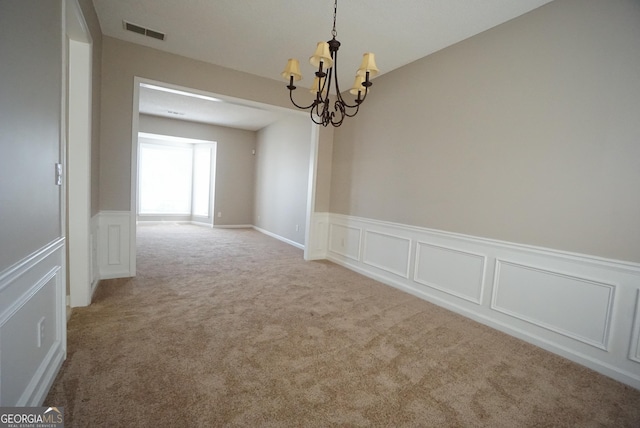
<point x="232" y="328"/>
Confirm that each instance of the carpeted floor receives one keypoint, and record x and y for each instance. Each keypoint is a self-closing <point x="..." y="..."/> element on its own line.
<point x="229" y="327"/>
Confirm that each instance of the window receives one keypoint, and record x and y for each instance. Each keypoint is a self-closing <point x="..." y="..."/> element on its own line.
<point x="201" y="180"/>
<point x="174" y="178"/>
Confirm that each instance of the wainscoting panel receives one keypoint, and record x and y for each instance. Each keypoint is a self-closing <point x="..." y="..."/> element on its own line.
<point x="459" y="273"/>
<point x="114" y="244"/>
<point x="575" y="307"/>
<point x="584" y="308"/>
<point x="114" y="240"/>
<point x="387" y="252"/>
<point x="32" y="326"/>
<point x="345" y="240"/>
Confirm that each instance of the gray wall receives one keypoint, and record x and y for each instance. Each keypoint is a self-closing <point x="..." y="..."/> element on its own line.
<point x="323" y="171"/>
<point x="32" y="244"/>
<point x="527" y="133"/>
<point x="30" y="133"/>
<point x="234" y="184"/>
<point x="282" y="177"/>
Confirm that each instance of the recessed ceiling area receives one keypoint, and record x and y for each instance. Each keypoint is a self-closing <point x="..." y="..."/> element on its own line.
<point x="158" y="100"/>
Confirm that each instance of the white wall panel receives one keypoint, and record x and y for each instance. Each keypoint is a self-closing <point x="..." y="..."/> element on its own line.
<point x="114" y="244"/>
<point x="345" y="241"/>
<point x="318" y="235"/>
<point x="579" y="308"/>
<point x="459" y="273"/>
<point x="387" y="252"/>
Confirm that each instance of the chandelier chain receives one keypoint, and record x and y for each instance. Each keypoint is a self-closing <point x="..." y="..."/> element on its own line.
<point x="334" y="33"/>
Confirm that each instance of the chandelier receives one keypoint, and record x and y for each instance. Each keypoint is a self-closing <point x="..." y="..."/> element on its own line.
<point x="325" y="59"/>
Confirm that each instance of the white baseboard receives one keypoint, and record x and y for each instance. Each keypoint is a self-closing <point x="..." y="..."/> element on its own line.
<point x="585" y="308"/>
<point x="278" y="237"/>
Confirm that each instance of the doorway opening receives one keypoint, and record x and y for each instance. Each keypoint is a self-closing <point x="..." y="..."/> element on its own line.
<point x="152" y="119"/>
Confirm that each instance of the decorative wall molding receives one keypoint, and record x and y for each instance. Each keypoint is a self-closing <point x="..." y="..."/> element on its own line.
<point x="387" y="252"/>
<point x="32" y="325"/>
<point x="345" y="240"/>
<point x="94" y="260"/>
<point x="634" y="349"/>
<point x="114" y="244"/>
<point x="582" y="307"/>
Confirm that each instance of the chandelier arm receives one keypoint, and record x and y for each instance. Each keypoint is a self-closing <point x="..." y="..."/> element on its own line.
<point x="339" y="108"/>
<point x="364" y="96"/>
<point x="346" y="113"/>
<point x="297" y="105"/>
<point x="319" y="114"/>
<point x="326" y="87"/>
<point x="338" y="94"/>
<point x="313" y="119"/>
<point x="346" y="104"/>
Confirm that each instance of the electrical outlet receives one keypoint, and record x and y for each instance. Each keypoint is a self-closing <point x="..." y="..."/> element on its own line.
<point x="297" y="228"/>
<point x="219" y="214"/>
<point x="40" y="332"/>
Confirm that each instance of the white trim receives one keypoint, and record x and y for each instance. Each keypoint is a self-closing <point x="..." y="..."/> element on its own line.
<point x="79" y="173"/>
<point x="634" y="348"/>
<point x="311" y="191"/>
<point x="13" y="272"/>
<point x="622" y="265"/>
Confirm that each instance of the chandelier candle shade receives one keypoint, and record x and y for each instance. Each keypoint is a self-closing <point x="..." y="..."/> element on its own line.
<point x="325" y="59"/>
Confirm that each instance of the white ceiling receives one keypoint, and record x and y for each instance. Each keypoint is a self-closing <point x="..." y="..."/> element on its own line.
<point x="195" y="106"/>
<point x="258" y="36"/>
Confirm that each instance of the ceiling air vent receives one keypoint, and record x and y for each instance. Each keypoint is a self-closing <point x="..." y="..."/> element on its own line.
<point x="144" y="31"/>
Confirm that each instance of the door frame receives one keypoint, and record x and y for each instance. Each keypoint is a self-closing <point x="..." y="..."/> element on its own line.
<point x="78" y="95"/>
